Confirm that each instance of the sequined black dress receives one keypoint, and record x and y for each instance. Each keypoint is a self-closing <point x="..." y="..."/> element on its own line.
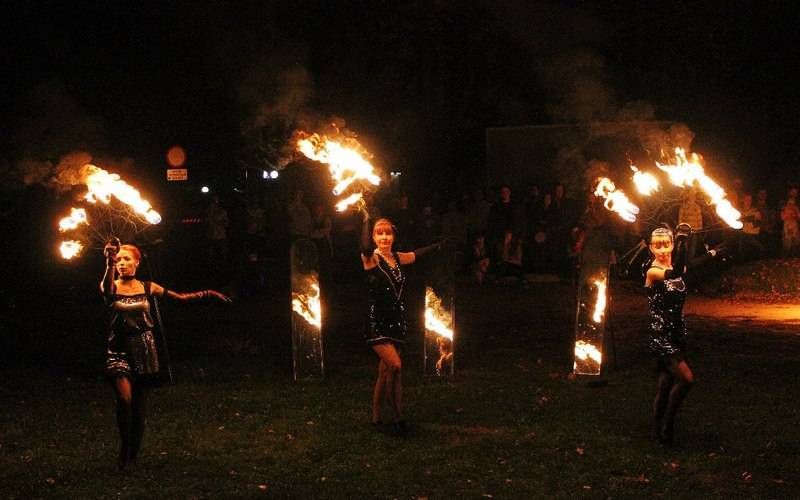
<point x="386" y="320"/>
<point x="667" y="328"/>
<point x="131" y="346"/>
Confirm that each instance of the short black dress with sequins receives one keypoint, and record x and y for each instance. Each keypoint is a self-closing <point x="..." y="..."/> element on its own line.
<point x="386" y="320"/>
<point x="667" y="327"/>
<point x="132" y="348"/>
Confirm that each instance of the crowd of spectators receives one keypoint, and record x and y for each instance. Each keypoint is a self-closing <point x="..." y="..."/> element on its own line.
<point x="501" y="236"/>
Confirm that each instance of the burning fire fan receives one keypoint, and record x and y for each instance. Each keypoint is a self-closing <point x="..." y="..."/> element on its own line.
<point x="347" y="162"/>
<point x="112" y="210"/>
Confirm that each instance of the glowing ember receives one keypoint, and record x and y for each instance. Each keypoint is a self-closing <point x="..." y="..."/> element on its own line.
<point x="346" y="162"/>
<point x="77" y="217"/>
<point x="308" y="305"/>
<point x="585" y="350"/>
<point x="687" y="172"/>
<point x="616" y="201"/>
<point x="70" y="249"/>
<point x="437" y="319"/>
<point x="646" y="183"/>
<point x="600" y="305"/>
<point x="103" y="185"/>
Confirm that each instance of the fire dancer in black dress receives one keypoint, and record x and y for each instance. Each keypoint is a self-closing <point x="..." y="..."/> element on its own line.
<point x="132" y="362"/>
<point x="386" y="323"/>
<point x="666" y="293"/>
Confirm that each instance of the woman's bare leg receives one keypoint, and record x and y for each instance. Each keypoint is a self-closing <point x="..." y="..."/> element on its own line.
<point x="683" y="381"/>
<point x="378" y="392"/>
<point x="392" y="378"/>
<point x="122" y="390"/>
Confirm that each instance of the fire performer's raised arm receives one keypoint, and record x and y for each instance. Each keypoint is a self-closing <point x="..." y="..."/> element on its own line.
<point x="107" y="286"/>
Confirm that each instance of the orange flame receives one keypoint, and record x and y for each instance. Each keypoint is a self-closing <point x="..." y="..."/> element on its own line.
<point x="437" y="319"/>
<point x="646" y="183"/>
<point x="103" y="185"/>
<point x="600" y="305"/>
<point x="70" y="249"/>
<point x="308" y="305"/>
<point x="688" y="172"/>
<point x="76" y="217"/>
<point x="585" y="350"/>
<point x="346" y="162"/>
<point x="616" y="200"/>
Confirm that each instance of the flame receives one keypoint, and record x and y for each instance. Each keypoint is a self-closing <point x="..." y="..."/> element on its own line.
<point x="76" y="217"/>
<point x="585" y="350"/>
<point x="353" y="198"/>
<point x="345" y="162"/>
<point x="70" y="249"/>
<point x="646" y="183"/>
<point x="600" y="305"/>
<point x="436" y="318"/>
<point x="308" y="305"/>
<point x="103" y="185"/>
<point x="616" y="201"/>
<point x="686" y="172"/>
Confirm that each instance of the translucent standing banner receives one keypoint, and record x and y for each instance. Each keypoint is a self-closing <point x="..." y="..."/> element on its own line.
<point x="307" y="356"/>
<point x="590" y="317"/>
<point x="439" y="330"/>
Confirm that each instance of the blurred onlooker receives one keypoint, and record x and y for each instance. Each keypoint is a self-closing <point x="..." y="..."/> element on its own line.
<point x="502" y="217"/>
<point x="454" y="230"/>
<point x="790" y="214"/>
<point x="510" y="257"/>
<point x="403" y="219"/>
<point x="428" y="229"/>
<point x="321" y="226"/>
<point x="299" y="216"/>
<point x="217" y="219"/>
<point x="478" y="258"/>
<point x="690" y="212"/>
<point x="478" y="214"/>
<point x="749" y="237"/>
<point x="767" y="234"/>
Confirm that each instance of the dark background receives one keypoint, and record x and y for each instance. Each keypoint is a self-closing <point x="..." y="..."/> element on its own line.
<point x="419" y="81"/>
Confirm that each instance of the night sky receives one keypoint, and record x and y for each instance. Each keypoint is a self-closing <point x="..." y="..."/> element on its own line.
<point x="418" y="81"/>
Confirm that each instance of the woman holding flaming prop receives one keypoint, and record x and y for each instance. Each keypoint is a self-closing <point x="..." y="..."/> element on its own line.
<point x="386" y="323"/>
<point x="666" y="293"/>
<point x="132" y="359"/>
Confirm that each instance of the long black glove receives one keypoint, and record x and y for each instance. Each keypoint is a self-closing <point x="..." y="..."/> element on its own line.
<point x="679" y="254"/>
<point x="419" y="252"/>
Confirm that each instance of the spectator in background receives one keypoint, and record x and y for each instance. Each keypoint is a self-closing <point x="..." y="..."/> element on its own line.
<point x="404" y="222"/>
<point x="502" y="218"/>
<point x="543" y="258"/>
<point x="478" y="259"/>
<point x="454" y="225"/>
<point x="749" y="243"/>
<point x="321" y="226"/>
<point x="217" y="219"/>
<point x="510" y="260"/>
<point x="767" y="234"/>
<point x="561" y="224"/>
<point x="790" y="214"/>
<point x="478" y="214"/>
<point x="428" y="228"/>
<point x="299" y="217"/>
<point x="690" y="212"/>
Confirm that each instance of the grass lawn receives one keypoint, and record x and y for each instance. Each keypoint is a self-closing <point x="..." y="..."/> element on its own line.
<point x="511" y="424"/>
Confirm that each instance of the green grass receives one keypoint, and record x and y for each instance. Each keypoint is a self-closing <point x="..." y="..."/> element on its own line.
<point x="510" y="424"/>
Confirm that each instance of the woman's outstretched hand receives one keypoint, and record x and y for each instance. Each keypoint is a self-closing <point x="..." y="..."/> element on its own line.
<point x="219" y="296"/>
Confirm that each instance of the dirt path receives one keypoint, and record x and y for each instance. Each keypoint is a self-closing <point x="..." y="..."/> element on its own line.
<point x="743" y="310"/>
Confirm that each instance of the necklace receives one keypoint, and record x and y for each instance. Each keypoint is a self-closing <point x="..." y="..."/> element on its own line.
<point x="395" y="274"/>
